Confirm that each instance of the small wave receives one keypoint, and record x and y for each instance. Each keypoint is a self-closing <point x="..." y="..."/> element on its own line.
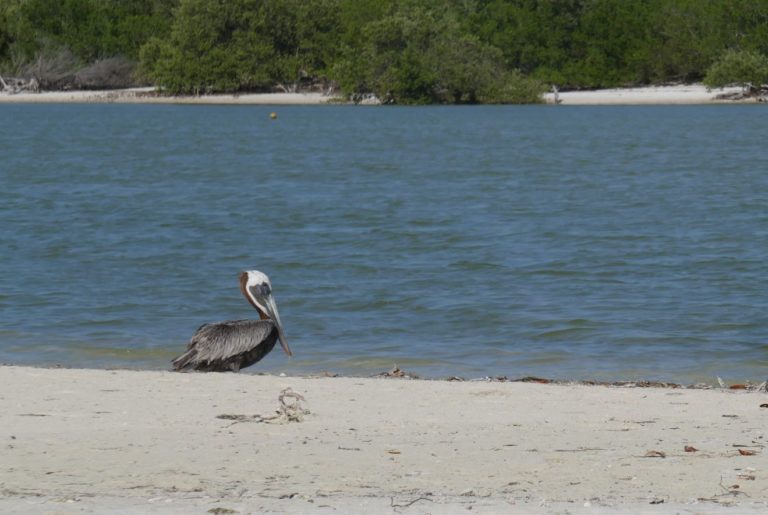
<point x="567" y="333"/>
<point x="476" y="265"/>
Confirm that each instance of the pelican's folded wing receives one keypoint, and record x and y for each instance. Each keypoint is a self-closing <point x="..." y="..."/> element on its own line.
<point x="225" y="340"/>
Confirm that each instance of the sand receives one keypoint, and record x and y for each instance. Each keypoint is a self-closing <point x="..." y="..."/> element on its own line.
<point x="662" y="95"/>
<point x="146" y="96"/>
<point x="149" y="441"/>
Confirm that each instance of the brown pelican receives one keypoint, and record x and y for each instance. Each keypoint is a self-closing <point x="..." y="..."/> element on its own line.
<point x="235" y="344"/>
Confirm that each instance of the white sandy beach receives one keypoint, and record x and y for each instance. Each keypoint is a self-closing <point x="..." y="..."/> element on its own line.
<point x="138" y="442"/>
<point x="147" y="96"/>
<point x="683" y="94"/>
<point x="662" y="95"/>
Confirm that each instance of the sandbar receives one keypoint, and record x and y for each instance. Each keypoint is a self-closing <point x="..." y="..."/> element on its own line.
<point x="148" y="96"/>
<point x="649" y="95"/>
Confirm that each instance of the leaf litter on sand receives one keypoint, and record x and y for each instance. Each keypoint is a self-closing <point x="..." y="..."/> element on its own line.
<point x="726" y="498"/>
<point x="286" y="413"/>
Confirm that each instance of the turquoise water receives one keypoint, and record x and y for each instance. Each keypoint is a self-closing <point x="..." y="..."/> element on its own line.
<point x="575" y="243"/>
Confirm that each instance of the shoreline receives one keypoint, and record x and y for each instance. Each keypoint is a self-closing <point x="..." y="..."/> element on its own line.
<point x="396" y="372"/>
<point x="162" y="442"/>
<point x="692" y="94"/>
<point x="148" y="96"/>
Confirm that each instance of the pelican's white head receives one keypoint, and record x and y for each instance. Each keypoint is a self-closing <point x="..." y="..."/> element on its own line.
<point x="257" y="289"/>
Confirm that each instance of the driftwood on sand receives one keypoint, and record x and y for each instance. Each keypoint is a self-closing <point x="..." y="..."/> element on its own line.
<point x="13" y="85"/>
<point x="749" y="92"/>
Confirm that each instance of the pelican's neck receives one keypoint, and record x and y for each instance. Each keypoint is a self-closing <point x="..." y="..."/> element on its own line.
<point x="249" y="297"/>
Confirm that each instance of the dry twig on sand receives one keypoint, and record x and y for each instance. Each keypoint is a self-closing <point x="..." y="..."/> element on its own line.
<point x="288" y="411"/>
<point x="407" y="504"/>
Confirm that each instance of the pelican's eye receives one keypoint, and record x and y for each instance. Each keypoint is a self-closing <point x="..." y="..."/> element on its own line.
<point x="264" y="289"/>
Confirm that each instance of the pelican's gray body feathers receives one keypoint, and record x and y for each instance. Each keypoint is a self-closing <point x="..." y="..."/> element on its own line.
<point x="228" y="346"/>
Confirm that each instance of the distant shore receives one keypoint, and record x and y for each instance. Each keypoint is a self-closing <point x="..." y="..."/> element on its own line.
<point x="651" y="95"/>
<point x="161" y="442"/>
<point x="149" y="96"/>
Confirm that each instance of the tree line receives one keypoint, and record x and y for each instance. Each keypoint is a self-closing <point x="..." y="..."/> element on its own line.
<point x="403" y="51"/>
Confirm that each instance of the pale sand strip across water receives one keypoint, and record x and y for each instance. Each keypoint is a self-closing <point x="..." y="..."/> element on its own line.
<point x="650" y="95"/>
<point x="145" y="96"/>
<point x="661" y="95"/>
<point x="137" y="442"/>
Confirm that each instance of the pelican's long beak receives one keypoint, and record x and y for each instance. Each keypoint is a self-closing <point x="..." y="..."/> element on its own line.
<point x="269" y="304"/>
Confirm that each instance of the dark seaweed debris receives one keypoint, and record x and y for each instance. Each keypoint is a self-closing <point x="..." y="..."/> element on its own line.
<point x="397" y="373"/>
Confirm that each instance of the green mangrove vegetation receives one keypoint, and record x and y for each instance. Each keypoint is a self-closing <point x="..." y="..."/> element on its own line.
<point x="402" y="51"/>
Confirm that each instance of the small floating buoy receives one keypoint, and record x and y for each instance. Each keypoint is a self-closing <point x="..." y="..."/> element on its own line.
<point x="273" y="116"/>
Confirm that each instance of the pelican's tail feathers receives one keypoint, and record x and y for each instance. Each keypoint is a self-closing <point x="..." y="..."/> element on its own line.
<point x="183" y="361"/>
